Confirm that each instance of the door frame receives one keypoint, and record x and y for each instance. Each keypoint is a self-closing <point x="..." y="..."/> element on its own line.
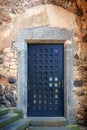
<point x="46" y="35"/>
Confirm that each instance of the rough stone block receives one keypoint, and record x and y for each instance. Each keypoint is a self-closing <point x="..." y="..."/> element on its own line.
<point x="76" y="62"/>
<point x="79" y="12"/>
<point x="80" y="121"/>
<point x="85" y="38"/>
<point x="83" y="55"/>
<point x="12" y="80"/>
<point x="82" y="68"/>
<point x="80" y="93"/>
<point x="1" y="90"/>
<point x="76" y="56"/>
<point x="36" y="2"/>
<point x="13" y="67"/>
<point x="78" y="83"/>
<point x="1" y="60"/>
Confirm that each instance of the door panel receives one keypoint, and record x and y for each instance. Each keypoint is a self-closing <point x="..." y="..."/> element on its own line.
<point x="45" y="78"/>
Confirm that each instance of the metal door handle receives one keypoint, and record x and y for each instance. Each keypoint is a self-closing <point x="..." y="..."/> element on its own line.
<point x="59" y="84"/>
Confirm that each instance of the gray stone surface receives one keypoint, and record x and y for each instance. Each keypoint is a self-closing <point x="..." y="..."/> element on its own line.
<point x="48" y="121"/>
<point x="22" y="76"/>
<point x="49" y="128"/>
<point x="69" y="79"/>
<point x="46" y="34"/>
<point x="20" y="124"/>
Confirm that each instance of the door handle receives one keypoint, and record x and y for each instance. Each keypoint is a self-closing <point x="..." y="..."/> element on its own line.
<point x="59" y="84"/>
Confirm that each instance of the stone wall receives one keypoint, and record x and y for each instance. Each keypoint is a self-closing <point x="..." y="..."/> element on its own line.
<point x="8" y="91"/>
<point x="80" y="64"/>
<point x="8" y="62"/>
<point x="8" y="77"/>
<point x="80" y="83"/>
<point x="16" y="15"/>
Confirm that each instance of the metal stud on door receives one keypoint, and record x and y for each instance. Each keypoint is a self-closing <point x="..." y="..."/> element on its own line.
<point x="45" y="76"/>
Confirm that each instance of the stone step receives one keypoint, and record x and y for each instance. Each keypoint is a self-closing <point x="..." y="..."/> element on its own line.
<point x="47" y="121"/>
<point x="18" y="125"/>
<point x="3" y="111"/>
<point x="7" y="119"/>
<point x="55" y="128"/>
<point x="49" y="128"/>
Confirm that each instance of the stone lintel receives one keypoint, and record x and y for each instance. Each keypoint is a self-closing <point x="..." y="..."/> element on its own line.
<point x="44" y="33"/>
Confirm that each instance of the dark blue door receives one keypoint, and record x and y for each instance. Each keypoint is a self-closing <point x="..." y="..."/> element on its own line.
<point x="45" y="80"/>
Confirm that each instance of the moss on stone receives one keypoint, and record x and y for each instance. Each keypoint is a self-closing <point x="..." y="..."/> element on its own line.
<point x="73" y="127"/>
<point x="20" y="112"/>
